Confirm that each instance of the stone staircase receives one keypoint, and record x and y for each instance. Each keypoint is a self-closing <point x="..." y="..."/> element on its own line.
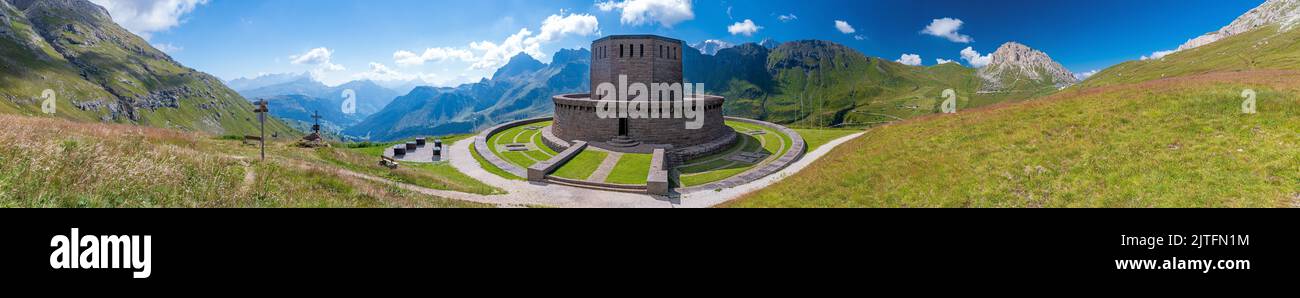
<point x="623" y="142"/>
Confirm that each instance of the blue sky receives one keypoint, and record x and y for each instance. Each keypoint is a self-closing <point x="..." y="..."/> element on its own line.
<point x="451" y="42"/>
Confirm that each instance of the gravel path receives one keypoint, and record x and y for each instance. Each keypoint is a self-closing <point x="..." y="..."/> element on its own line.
<point x="523" y="193"/>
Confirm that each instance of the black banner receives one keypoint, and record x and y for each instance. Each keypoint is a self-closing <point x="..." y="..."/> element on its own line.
<point x="233" y="248"/>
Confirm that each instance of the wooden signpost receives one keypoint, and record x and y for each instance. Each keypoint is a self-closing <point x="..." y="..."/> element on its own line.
<point x="261" y="111"/>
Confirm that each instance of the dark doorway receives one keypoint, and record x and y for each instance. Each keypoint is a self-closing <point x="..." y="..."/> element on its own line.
<point x="622" y="126"/>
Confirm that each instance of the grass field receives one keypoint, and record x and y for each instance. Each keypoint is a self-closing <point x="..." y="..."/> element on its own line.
<point x="815" y="138"/>
<point x="581" y="166"/>
<point x="58" y="163"/>
<point x="715" y="167"/>
<point x="1180" y="142"/>
<point x="631" y="169"/>
<point x="432" y="175"/>
<point x="521" y="135"/>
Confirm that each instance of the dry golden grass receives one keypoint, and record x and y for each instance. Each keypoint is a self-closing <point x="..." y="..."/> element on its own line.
<point x="48" y="162"/>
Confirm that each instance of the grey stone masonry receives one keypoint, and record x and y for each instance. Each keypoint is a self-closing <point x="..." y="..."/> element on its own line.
<point x="796" y="151"/>
<point x="538" y="172"/>
<point x="657" y="179"/>
<point x="480" y="145"/>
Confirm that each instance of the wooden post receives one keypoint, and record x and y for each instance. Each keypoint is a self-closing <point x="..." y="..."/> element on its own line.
<point x="261" y="118"/>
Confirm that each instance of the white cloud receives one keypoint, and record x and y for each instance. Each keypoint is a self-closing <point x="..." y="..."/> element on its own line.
<point x="168" y="48"/>
<point x="747" y="28"/>
<point x="144" y="17"/>
<point x="381" y="72"/>
<point x="974" y="58"/>
<point x="844" y="27"/>
<point x="859" y="37"/>
<point x="496" y="55"/>
<point x="319" y="56"/>
<point x="947" y="28"/>
<point x="555" y="27"/>
<point x="1085" y="75"/>
<point x="942" y="61"/>
<point x="406" y="58"/>
<point x="910" y="59"/>
<point x="486" y="55"/>
<point x="1159" y="54"/>
<point x="638" y="12"/>
<point x="786" y="18"/>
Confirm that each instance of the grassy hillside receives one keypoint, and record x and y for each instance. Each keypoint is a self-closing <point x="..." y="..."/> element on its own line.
<point x="1263" y="48"/>
<point x="820" y="84"/>
<point x="1179" y="142"/>
<point x="59" y="163"/>
<point x="100" y="72"/>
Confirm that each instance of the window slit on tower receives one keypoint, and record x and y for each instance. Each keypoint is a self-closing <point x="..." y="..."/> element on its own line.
<point x="641" y="48"/>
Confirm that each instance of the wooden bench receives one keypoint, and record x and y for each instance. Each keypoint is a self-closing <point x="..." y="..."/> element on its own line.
<point x="388" y="162"/>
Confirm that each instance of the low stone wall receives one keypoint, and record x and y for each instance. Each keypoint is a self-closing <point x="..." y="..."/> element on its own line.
<point x="797" y="150"/>
<point x="550" y="140"/>
<point x="657" y="179"/>
<point x="480" y="145"/>
<point x="538" y="172"/>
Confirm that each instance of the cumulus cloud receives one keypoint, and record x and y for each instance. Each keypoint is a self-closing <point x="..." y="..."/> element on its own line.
<point x="556" y="26"/>
<point x="144" y="17"/>
<point x="942" y="61"/>
<point x="381" y="72"/>
<point x="1085" y="75"/>
<point x="318" y="56"/>
<point x="746" y="28"/>
<point x="638" y="12"/>
<point x="910" y="59"/>
<point x="168" y="48"/>
<point x="786" y="18"/>
<point x="844" y="27"/>
<point x="483" y="55"/>
<point x="407" y="58"/>
<point x="974" y="58"/>
<point x="1159" y="54"/>
<point x="947" y="28"/>
<point x="497" y="54"/>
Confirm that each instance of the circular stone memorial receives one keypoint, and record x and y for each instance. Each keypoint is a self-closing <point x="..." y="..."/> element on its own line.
<point x="623" y="139"/>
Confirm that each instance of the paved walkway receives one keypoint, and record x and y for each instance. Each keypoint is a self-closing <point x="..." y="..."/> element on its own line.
<point x="523" y="193"/>
<point x="606" y="166"/>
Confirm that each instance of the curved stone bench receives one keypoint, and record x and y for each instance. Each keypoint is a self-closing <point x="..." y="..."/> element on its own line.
<point x="480" y="145"/>
<point x="797" y="150"/>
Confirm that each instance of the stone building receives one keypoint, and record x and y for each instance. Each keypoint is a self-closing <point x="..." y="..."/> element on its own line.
<point x="643" y="59"/>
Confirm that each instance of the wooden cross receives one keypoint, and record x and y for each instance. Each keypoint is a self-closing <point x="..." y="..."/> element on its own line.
<point x="316" y="128"/>
<point x="261" y="111"/>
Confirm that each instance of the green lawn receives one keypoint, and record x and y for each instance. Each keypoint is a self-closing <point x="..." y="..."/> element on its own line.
<point x="716" y="168"/>
<point x="491" y="168"/>
<point x="631" y="169"/>
<point x="815" y="138"/>
<point x="581" y="166"/>
<point x="1171" y="143"/>
<point x="520" y="135"/>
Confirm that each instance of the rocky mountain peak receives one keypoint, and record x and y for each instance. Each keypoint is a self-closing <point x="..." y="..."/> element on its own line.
<point x="711" y="46"/>
<point x="519" y="64"/>
<point x="1015" y="64"/>
<point x="1274" y="12"/>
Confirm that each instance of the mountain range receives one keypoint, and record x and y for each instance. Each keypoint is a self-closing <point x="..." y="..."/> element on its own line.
<point x="111" y="75"/>
<point x="520" y="89"/>
<point x="98" y="71"/>
<point x="822" y="83"/>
